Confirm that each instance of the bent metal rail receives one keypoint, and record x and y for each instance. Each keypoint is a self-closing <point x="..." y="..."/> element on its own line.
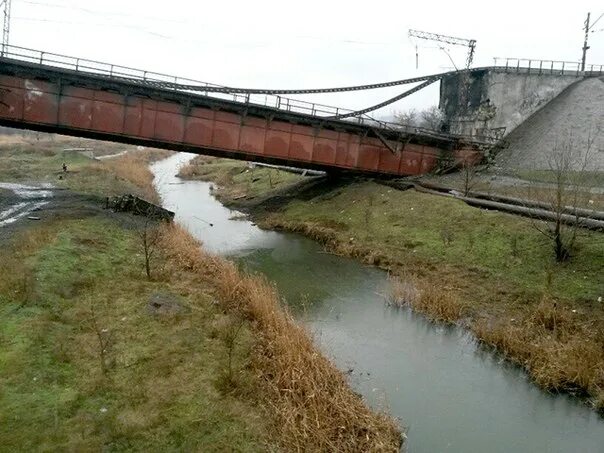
<point x="53" y="93"/>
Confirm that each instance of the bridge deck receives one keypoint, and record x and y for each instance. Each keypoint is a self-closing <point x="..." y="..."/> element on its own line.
<point x="73" y="101"/>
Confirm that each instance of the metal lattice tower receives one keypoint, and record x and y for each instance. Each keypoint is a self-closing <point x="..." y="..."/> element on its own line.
<point x="464" y="85"/>
<point x="5" y="5"/>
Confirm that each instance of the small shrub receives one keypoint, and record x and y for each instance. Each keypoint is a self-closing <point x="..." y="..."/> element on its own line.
<point x="446" y="235"/>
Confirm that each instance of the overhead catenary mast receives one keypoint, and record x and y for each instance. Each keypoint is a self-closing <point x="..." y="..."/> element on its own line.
<point x="469" y="43"/>
<point x="5" y="6"/>
<point x="587" y="27"/>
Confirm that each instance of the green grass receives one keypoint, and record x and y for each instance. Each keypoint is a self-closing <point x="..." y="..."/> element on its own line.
<point x="162" y="390"/>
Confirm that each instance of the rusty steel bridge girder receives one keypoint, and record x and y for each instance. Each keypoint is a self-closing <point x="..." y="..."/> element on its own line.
<point x="51" y="99"/>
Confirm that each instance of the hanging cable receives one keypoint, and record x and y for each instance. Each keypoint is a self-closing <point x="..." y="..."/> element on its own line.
<point x="234" y="90"/>
<point x="385" y="103"/>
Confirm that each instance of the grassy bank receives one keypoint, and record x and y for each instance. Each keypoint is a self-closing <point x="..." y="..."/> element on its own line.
<point x="86" y="363"/>
<point x="490" y="271"/>
<point x="200" y="357"/>
<point x="237" y="180"/>
<point x="42" y="161"/>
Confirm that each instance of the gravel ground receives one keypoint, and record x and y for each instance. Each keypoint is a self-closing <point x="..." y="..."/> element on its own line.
<point x="572" y="117"/>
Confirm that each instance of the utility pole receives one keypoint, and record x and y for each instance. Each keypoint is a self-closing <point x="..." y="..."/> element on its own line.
<point x="585" y="46"/>
<point x="5" y="4"/>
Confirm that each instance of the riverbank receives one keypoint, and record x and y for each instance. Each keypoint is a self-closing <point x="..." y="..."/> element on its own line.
<point x="199" y="356"/>
<point x="489" y="271"/>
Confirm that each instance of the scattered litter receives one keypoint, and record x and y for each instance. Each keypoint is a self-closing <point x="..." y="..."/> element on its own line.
<point x="238" y="216"/>
<point x="32" y="217"/>
<point x="103" y="410"/>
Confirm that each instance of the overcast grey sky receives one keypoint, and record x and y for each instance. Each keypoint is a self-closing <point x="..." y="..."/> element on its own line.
<point x="308" y="43"/>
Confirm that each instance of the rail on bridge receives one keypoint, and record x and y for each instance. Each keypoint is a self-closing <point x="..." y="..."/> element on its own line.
<point x="73" y="96"/>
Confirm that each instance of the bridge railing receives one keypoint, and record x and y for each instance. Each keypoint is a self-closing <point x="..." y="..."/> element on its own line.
<point x="113" y="71"/>
<point x="536" y="66"/>
<point x="118" y="72"/>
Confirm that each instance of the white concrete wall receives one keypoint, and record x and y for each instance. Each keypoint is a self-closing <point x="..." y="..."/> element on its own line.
<point x="518" y="96"/>
<point x="499" y="100"/>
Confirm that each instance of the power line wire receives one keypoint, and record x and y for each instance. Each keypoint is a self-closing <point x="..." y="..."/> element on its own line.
<point x="86" y="24"/>
<point x="97" y="12"/>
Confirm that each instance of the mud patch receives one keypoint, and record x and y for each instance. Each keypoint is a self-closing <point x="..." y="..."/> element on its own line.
<point x="166" y="304"/>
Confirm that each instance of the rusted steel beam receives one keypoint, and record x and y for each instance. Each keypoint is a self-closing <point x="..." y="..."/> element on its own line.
<point x="91" y="106"/>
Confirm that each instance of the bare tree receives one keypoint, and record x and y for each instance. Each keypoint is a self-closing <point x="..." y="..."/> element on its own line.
<point x="149" y="236"/>
<point x="468" y="176"/>
<point x="368" y="214"/>
<point x="407" y="117"/>
<point x="568" y="165"/>
<point x="103" y="337"/>
<point x="431" y="118"/>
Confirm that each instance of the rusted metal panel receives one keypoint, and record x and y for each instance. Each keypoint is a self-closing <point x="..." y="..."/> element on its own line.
<point x="225" y="136"/>
<point x="324" y="150"/>
<point x="252" y="139"/>
<point x="133" y="116"/>
<point x="301" y="147"/>
<point x="429" y="160"/>
<point x="411" y="160"/>
<point x="75" y="112"/>
<point x="40" y="102"/>
<point x="107" y="117"/>
<point x="389" y="161"/>
<point x="169" y="126"/>
<point x="148" y="114"/>
<point x="369" y="157"/>
<point x="276" y="143"/>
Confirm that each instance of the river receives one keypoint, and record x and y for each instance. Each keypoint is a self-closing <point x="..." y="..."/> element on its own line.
<point x="452" y="395"/>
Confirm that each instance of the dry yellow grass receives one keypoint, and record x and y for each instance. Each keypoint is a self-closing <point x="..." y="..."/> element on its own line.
<point x="561" y="349"/>
<point x="134" y="167"/>
<point x="307" y="398"/>
<point x="435" y="303"/>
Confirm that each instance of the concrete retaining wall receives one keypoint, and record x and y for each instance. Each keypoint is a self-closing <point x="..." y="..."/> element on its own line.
<point x="497" y="101"/>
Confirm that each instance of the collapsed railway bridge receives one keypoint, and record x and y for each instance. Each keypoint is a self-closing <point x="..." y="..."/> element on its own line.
<point x="53" y="93"/>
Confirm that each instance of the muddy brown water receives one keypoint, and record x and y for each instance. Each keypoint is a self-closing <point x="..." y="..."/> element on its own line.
<point x="451" y="394"/>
